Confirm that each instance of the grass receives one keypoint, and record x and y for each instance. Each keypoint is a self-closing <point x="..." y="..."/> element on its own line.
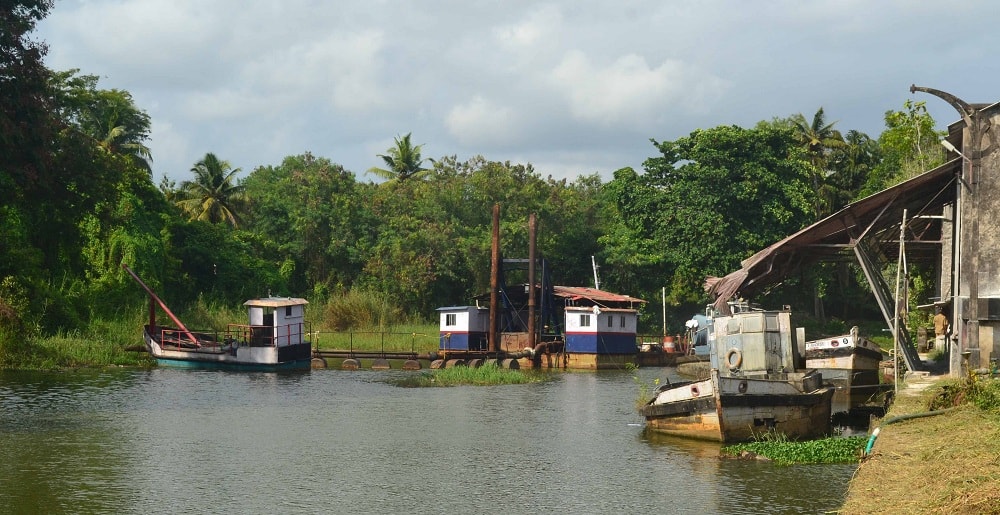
<point x="104" y="343"/>
<point x="358" y="309"/>
<point x="488" y="374"/>
<point x="948" y="463"/>
<point x="645" y="388"/>
<point x="777" y="448"/>
<point x="404" y="338"/>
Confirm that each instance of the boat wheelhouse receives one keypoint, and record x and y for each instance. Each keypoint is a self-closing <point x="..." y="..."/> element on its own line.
<point x="600" y="337"/>
<point x="464" y="328"/>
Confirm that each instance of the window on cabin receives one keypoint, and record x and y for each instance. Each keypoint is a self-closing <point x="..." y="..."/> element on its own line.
<point x="288" y="311"/>
<point x="584" y="320"/>
<point x="623" y="320"/>
<point x="450" y="319"/>
<point x="611" y="321"/>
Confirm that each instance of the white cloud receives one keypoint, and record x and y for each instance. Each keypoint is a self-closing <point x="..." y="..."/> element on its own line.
<point x="566" y="84"/>
<point x="341" y="67"/>
<point x="629" y="91"/>
<point x="537" y="28"/>
<point x="481" y="121"/>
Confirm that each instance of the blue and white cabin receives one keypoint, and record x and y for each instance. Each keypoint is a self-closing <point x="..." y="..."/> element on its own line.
<point x="596" y="330"/>
<point x="464" y="328"/>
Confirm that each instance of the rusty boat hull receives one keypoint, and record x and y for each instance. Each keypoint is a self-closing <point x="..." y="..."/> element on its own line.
<point x="849" y="363"/>
<point x="226" y="355"/>
<point x="737" y="409"/>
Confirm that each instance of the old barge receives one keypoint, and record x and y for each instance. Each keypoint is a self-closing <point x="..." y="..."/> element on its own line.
<point x="849" y="362"/>
<point x="273" y="339"/>
<point x="758" y="384"/>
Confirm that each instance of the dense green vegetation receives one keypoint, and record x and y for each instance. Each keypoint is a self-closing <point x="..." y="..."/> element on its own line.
<point x="782" y="451"/>
<point x="488" y="374"/>
<point x="80" y="198"/>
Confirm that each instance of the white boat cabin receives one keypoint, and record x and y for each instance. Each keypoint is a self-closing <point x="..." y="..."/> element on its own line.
<point x="464" y="328"/>
<point x="277" y="321"/>
<point x="595" y="330"/>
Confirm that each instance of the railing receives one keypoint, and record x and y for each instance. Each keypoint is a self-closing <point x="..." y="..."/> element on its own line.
<point x="178" y="339"/>
<point x="376" y="341"/>
<point x="267" y="336"/>
<point x="236" y="335"/>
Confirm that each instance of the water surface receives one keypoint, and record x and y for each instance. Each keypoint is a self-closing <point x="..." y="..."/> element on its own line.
<point x="331" y="441"/>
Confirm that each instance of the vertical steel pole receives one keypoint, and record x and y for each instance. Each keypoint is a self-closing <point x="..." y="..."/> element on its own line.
<point x="532" y="235"/>
<point x="495" y="282"/>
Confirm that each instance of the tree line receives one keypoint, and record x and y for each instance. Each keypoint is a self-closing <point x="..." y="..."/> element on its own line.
<point x="81" y="198"/>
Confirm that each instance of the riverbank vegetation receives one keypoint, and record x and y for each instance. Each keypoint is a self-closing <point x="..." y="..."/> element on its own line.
<point x="779" y="449"/>
<point x="940" y="464"/>
<point x="488" y="374"/>
<point x="82" y="195"/>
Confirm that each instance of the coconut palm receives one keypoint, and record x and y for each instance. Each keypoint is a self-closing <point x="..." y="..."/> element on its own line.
<point x="213" y="196"/>
<point x="402" y="161"/>
<point x="819" y="139"/>
<point x="116" y="142"/>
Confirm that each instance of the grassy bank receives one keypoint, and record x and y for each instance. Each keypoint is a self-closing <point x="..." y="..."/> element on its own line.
<point x="949" y="463"/>
<point x="106" y="341"/>
<point x="103" y="343"/>
<point x="418" y="338"/>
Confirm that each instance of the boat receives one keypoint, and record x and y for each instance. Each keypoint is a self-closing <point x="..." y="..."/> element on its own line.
<point x="850" y="363"/>
<point x="672" y="352"/>
<point x="757" y="384"/>
<point x="273" y="339"/>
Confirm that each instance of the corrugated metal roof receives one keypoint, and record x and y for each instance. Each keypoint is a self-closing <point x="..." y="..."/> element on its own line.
<point x="830" y="237"/>
<point x="592" y="294"/>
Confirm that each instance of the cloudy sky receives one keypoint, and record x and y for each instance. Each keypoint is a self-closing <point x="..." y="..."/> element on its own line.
<point x="572" y="87"/>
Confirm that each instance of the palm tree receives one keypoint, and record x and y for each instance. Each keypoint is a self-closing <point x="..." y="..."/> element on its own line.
<point x="819" y="139"/>
<point x="853" y="164"/>
<point x="116" y="142"/>
<point x="213" y="196"/>
<point x="402" y="162"/>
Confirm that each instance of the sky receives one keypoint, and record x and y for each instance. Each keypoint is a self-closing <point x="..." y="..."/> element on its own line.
<point x="572" y="87"/>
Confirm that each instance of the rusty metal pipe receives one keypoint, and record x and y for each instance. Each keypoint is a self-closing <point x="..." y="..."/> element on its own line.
<point x="494" y="343"/>
<point x="532" y="330"/>
<point x="169" y="313"/>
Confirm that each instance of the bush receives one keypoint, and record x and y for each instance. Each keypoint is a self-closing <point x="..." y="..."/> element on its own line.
<point x="360" y="310"/>
<point x="16" y="330"/>
<point x="984" y="393"/>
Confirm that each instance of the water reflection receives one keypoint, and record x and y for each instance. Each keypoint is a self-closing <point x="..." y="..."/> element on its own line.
<point x="335" y="441"/>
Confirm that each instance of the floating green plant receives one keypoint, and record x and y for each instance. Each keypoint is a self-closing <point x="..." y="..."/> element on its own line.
<point x="488" y="374"/>
<point x="779" y="449"/>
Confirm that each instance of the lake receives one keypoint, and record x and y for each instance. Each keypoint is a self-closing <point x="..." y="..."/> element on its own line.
<point x="332" y="441"/>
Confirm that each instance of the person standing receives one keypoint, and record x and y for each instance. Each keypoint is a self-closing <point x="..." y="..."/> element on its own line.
<point x="940" y="328"/>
